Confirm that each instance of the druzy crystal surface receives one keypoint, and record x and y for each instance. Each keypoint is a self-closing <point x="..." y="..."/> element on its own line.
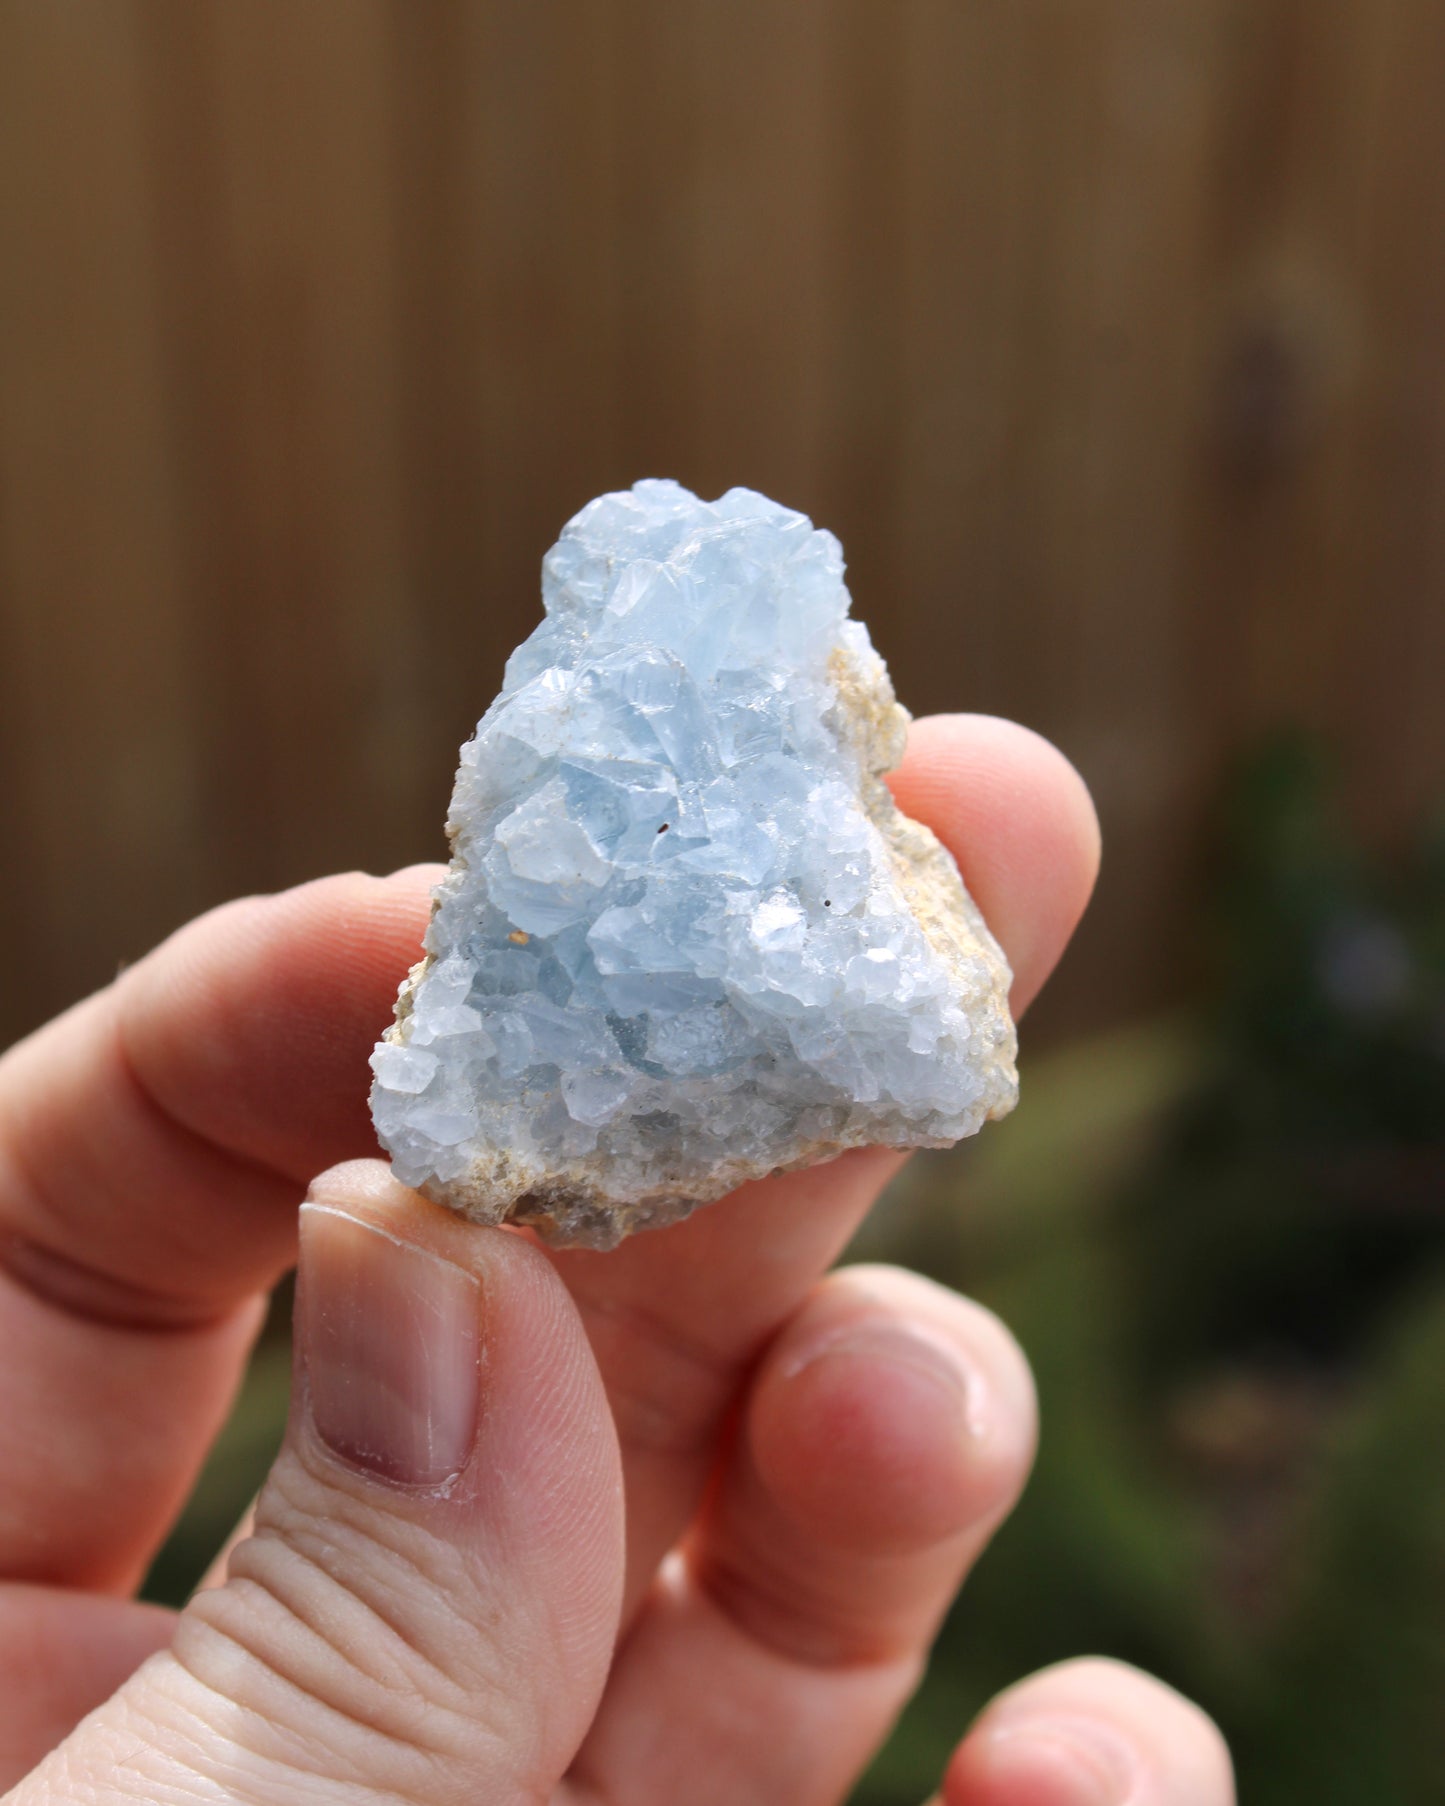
<point x="686" y="938"/>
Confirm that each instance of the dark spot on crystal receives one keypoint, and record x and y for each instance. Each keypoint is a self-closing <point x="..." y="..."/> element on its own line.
<point x="658" y="1125"/>
<point x="663" y="829"/>
<point x="630" y="1034"/>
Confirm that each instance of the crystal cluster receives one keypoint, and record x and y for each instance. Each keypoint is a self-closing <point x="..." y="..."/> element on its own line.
<point x="686" y="938"/>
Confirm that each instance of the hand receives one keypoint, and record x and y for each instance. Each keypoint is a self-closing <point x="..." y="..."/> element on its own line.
<point x="442" y="1597"/>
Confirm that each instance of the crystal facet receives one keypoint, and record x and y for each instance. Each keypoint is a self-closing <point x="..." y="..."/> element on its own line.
<point x="686" y="937"/>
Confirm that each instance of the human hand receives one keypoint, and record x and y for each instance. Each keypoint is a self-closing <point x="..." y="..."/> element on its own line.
<point x="443" y="1597"/>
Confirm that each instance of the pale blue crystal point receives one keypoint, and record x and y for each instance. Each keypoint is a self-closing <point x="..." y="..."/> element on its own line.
<point x="686" y="938"/>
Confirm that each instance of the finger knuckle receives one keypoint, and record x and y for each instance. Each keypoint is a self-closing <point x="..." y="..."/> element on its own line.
<point x="340" y="1648"/>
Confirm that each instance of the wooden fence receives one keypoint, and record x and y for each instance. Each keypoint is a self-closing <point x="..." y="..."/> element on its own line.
<point x="1108" y="334"/>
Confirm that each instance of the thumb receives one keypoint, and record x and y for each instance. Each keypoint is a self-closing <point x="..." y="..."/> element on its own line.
<point x="427" y="1606"/>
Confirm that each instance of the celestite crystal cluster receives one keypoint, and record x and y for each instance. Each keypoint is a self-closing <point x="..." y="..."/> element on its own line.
<point x="686" y="937"/>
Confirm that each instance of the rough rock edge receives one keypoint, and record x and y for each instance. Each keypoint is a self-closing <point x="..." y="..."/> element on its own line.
<point x="561" y="1205"/>
<point x="876" y="724"/>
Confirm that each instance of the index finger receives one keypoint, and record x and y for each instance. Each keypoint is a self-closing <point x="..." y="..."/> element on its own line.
<point x="155" y="1141"/>
<point x="154" y="1145"/>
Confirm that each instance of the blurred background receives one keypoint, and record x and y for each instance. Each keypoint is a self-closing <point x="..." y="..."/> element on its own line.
<point x="1109" y="337"/>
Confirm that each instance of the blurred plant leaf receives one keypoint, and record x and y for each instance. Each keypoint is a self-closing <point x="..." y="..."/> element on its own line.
<point x="1355" y="1712"/>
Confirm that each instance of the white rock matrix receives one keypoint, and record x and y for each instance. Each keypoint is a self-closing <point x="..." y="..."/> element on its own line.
<point x="686" y="938"/>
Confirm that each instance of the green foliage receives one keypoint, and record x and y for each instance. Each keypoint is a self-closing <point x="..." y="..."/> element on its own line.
<point x="1224" y="1249"/>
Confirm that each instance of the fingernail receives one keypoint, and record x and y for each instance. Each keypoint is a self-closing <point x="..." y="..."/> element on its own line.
<point x="911" y="1350"/>
<point x="1075" y="1760"/>
<point x="390" y="1345"/>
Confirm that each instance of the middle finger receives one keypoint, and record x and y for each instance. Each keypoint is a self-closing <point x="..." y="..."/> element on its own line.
<point x="884" y="1435"/>
<point x="678" y="1315"/>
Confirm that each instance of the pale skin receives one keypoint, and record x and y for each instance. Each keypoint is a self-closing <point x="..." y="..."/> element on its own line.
<point x="705" y="1500"/>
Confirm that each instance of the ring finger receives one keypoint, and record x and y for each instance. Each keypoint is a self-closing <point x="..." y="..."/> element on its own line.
<point x="1091" y="1733"/>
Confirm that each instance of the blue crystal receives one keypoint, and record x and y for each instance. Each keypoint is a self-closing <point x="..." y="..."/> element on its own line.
<point x="685" y="938"/>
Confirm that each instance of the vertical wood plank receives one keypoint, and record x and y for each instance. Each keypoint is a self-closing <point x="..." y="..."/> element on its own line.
<point x="659" y="224"/>
<point x="275" y="164"/>
<point x="1114" y="481"/>
<point x="101" y="719"/>
<point x="965" y="204"/>
<point x="1054" y="199"/>
<point x="1318" y="501"/>
<point x="1275" y="490"/>
<point x="1383" y="703"/>
<point x="511" y="351"/>
<point x="759" y="90"/>
<point x="861" y="322"/>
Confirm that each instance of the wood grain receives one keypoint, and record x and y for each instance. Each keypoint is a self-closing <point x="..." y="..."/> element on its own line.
<point x="1110" y="339"/>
